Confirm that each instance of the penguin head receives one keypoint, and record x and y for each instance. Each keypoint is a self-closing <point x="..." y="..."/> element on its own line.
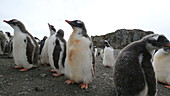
<point x="45" y="37"/>
<point x="8" y="34"/>
<point x="52" y="29"/>
<point x="14" y="23"/>
<point x="76" y="23"/>
<point x="1" y="31"/>
<point x="106" y="43"/>
<point x="156" y="41"/>
<point x="60" y="33"/>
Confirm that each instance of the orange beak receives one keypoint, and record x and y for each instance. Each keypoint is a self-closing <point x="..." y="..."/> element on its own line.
<point x="168" y="45"/>
<point x="67" y="21"/>
<point x="5" y="21"/>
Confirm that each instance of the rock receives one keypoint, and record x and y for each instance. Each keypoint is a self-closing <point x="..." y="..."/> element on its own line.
<point x="42" y="75"/>
<point x="38" y="89"/>
<point x="120" y="38"/>
<point x="1" y="76"/>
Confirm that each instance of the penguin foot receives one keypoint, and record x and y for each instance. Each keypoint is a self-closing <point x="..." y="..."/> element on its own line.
<point x="46" y="65"/>
<point x="57" y="75"/>
<point x="52" y="70"/>
<point x="17" y="67"/>
<point x="22" y="70"/>
<point x="69" y="81"/>
<point x="108" y="66"/>
<point x="84" y="86"/>
<point x="167" y="86"/>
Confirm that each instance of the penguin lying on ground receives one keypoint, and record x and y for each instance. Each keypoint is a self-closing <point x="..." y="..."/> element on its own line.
<point x="25" y="48"/>
<point x="57" y="52"/>
<point x="44" y="58"/>
<point x="79" y="64"/>
<point x="108" y="57"/>
<point x="133" y="72"/>
<point x="161" y="65"/>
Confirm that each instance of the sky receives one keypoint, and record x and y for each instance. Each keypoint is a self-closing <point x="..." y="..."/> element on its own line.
<point x="100" y="16"/>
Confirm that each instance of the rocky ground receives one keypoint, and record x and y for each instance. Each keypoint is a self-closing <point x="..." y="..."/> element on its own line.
<point x="40" y="82"/>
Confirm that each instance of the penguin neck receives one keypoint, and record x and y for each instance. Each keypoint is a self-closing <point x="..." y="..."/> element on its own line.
<point x="52" y="32"/>
<point x="17" y="30"/>
<point x="80" y="32"/>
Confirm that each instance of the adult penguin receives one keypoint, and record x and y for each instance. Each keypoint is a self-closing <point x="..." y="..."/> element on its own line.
<point x="25" y="48"/>
<point x="133" y="72"/>
<point x="79" y="64"/>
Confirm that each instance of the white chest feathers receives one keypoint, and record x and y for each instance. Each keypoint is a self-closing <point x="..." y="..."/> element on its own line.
<point x="161" y="64"/>
<point x="19" y="49"/>
<point x="108" y="59"/>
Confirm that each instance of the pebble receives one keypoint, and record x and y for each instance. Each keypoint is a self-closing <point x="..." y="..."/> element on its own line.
<point x="1" y="76"/>
<point x="42" y="75"/>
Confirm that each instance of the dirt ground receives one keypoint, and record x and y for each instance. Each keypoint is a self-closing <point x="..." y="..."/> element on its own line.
<point x="40" y="82"/>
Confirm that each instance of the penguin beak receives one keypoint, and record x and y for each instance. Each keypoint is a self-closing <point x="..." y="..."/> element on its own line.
<point x="167" y="45"/>
<point x="49" y="24"/>
<point x="67" y="21"/>
<point x="6" y="21"/>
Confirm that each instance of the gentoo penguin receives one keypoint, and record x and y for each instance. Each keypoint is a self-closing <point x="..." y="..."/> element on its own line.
<point x="9" y="46"/>
<point x="42" y="42"/>
<point x="57" y="52"/>
<point x="79" y="64"/>
<point x="44" y="58"/>
<point x="133" y="72"/>
<point x="3" y="42"/>
<point x="108" y="58"/>
<point x="161" y="65"/>
<point x="25" y="48"/>
<point x="37" y="39"/>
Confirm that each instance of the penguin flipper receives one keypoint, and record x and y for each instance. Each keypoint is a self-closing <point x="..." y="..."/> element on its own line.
<point x="93" y="58"/>
<point x="56" y="53"/>
<point x="29" y="50"/>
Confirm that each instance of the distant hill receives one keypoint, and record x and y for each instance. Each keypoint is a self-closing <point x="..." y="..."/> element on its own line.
<point x="120" y="38"/>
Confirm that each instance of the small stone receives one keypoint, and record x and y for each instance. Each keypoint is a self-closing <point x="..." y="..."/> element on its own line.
<point x="42" y="75"/>
<point x="38" y="89"/>
<point x="1" y="76"/>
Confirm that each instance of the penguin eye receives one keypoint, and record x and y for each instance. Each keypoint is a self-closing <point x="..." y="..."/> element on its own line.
<point x="79" y="22"/>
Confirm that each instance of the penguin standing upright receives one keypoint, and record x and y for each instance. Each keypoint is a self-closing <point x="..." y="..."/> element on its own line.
<point x="133" y="71"/>
<point x="9" y="46"/>
<point x="44" y="58"/>
<point x="3" y="42"/>
<point x="42" y="42"/>
<point x="79" y="64"/>
<point x="25" y="48"/>
<point x="108" y="58"/>
<point x="161" y="65"/>
<point x="57" y="52"/>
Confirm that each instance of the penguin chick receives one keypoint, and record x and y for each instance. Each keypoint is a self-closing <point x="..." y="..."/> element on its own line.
<point x="57" y="52"/>
<point x="42" y="42"/>
<point x="44" y="58"/>
<point x="25" y="48"/>
<point x="133" y="72"/>
<point x="3" y="42"/>
<point x="79" y="64"/>
<point x="108" y="58"/>
<point x="161" y="65"/>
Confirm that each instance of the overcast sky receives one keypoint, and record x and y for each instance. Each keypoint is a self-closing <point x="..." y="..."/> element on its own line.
<point x="99" y="16"/>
